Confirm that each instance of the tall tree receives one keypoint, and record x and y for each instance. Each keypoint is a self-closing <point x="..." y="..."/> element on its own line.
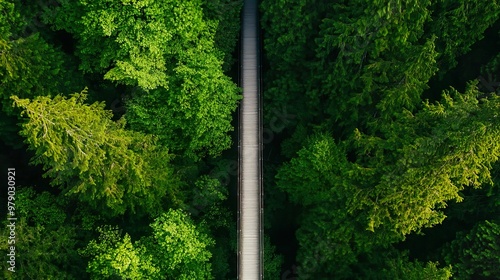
<point x="362" y="61"/>
<point x="393" y="184"/>
<point x="29" y="67"/>
<point x="458" y="25"/>
<point x="89" y="155"/>
<point x="167" y="48"/>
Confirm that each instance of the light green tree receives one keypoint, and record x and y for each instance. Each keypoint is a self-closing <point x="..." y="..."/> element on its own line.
<point x="168" y="49"/>
<point x="177" y="249"/>
<point x="89" y="155"/>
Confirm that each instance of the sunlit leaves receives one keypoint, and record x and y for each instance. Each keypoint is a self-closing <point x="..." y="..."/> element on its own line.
<point x="45" y="244"/>
<point x="136" y="42"/>
<point x="89" y="155"/>
<point x="167" y="48"/>
<point x="116" y="256"/>
<point x="177" y="249"/>
<point x="395" y="183"/>
<point x="194" y="116"/>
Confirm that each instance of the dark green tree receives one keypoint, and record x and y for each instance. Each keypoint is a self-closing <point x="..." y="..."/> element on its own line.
<point x="476" y="254"/>
<point x="458" y="25"/>
<point x="392" y="264"/>
<point x="46" y="243"/>
<point x="29" y="67"/>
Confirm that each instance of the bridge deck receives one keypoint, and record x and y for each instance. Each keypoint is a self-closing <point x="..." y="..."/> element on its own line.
<point x="250" y="248"/>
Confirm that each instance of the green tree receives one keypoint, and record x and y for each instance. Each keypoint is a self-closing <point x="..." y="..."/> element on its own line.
<point x="115" y="256"/>
<point x="364" y="61"/>
<point x="272" y="260"/>
<point x="208" y="206"/>
<point x="392" y="264"/>
<point x="227" y="14"/>
<point x="89" y="155"/>
<point x="395" y="183"/>
<point x="194" y="118"/>
<point x="446" y="147"/>
<point x="29" y="67"/>
<point x="168" y="49"/>
<point x="177" y="249"/>
<point x="476" y="254"/>
<point x="45" y="244"/>
<point x="458" y="25"/>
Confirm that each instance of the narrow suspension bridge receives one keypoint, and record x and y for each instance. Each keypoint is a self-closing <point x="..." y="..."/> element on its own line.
<point x="250" y="187"/>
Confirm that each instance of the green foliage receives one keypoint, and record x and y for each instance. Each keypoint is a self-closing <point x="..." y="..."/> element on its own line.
<point x="115" y="256"/>
<point x="329" y="233"/>
<point x="207" y="192"/>
<point x="167" y="44"/>
<point x="364" y="61"/>
<point x="45" y="244"/>
<point x="304" y="178"/>
<point x="168" y="49"/>
<point x="29" y="66"/>
<point x="272" y="260"/>
<point x="476" y="254"/>
<point x="458" y="25"/>
<point x="181" y="247"/>
<point x="137" y="42"/>
<point x="195" y="120"/>
<point x="394" y="265"/>
<point x="396" y="184"/>
<point x="290" y="29"/>
<point x="177" y="249"/>
<point x="89" y="155"/>
<point x="380" y="164"/>
<point x="227" y="14"/>
<point x="223" y="253"/>
<point x="445" y="147"/>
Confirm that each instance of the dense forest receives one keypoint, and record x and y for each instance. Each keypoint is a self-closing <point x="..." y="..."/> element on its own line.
<point x="381" y="136"/>
<point x="388" y="137"/>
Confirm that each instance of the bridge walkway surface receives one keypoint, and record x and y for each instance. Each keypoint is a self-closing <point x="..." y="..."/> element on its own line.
<point x="250" y="204"/>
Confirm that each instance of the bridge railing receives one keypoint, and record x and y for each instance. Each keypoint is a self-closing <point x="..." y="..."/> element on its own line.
<point x="261" y="146"/>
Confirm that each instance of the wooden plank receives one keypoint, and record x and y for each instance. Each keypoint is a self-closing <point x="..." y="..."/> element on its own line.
<point x="250" y="202"/>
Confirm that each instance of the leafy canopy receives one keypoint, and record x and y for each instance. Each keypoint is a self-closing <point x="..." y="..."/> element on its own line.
<point x="89" y="155"/>
<point x="177" y="249"/>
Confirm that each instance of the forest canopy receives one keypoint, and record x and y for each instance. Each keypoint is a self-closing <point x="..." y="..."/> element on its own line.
<point x="381" y="130"/>
<point x="114" y="116"/>
<point x="395" y="128"/>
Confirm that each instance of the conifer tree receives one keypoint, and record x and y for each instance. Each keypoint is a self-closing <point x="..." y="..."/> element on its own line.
<point x="87" y="154"/>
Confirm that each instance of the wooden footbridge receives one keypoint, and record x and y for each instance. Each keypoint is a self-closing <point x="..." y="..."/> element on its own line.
<point x="250" y="192"/>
